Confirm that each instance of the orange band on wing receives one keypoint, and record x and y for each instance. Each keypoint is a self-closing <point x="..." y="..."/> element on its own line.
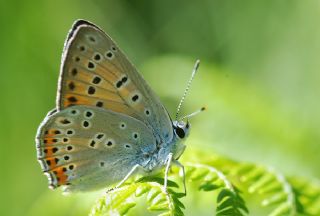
<point x="60" y="174"/>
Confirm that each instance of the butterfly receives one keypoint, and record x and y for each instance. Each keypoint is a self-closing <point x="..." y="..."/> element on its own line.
<point x="108" y="123"/>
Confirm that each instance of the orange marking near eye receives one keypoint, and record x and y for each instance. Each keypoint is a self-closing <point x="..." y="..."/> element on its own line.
<point x="49" y="140"/>
<point x="60" y="175"/>
<point x="73" y="99"/>
<point x="106" y="99"/>
<point x="49" y="152"/>
<point x="51" y="162"/>
<point x="51" y="133"/>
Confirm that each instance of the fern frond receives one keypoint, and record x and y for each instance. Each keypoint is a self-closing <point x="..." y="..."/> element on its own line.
<point x="283" y="195"/>
<point x="286" y="195"/>
<point x="307" y="193"/>
<point x="275" y="188"/>
<point x="229" y="201"/>
<point x="121" y="200"/>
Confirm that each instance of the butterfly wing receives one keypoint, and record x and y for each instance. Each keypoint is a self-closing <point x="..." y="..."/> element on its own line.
<point x="85" y="147"/>
<point x="95" y="72"/>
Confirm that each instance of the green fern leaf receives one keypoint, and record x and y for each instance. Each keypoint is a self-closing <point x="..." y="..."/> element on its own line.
<point x="272" y="185"/>
<point x="229" y="201"/>
<point x="285" y="195"/>
<point x="121" y="200"/>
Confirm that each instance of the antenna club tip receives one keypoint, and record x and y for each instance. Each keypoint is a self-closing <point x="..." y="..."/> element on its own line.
<point x="197" y="64"/>
<point x="203" y="108"/>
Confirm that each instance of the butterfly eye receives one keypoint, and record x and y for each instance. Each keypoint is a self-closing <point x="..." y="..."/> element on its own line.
<point x="180" y="132"/>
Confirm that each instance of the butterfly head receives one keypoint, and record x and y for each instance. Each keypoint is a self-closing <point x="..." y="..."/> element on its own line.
<point x="181" y="129"/>
<point x="181" y="132"/>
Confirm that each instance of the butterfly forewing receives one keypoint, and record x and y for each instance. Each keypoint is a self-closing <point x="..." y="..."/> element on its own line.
<point x="84" y="148"/>
<point x="96" y="73"/>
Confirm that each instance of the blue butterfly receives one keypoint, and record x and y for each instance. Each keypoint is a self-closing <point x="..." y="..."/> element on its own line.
<point x="108" y="123"/>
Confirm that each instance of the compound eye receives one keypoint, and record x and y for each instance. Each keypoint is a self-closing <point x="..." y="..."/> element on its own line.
<point x="180" y="132"/>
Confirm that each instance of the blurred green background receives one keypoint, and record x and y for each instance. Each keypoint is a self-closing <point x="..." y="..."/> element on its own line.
<point x="259" y="78"/>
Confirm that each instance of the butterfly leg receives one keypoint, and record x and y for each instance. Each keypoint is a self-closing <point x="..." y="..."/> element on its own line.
<point x="169" y="160"/>
<point x="178" y="164"/>
<point x="134" y="168"/>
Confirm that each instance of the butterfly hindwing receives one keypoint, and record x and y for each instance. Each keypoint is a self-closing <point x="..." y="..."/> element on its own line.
<point x="95" y="72"/>
<point x="84" y="148"/>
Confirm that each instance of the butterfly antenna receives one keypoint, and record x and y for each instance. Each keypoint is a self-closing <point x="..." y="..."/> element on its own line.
<point x="194" y="113"/>
<point x="195" y="69"/>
